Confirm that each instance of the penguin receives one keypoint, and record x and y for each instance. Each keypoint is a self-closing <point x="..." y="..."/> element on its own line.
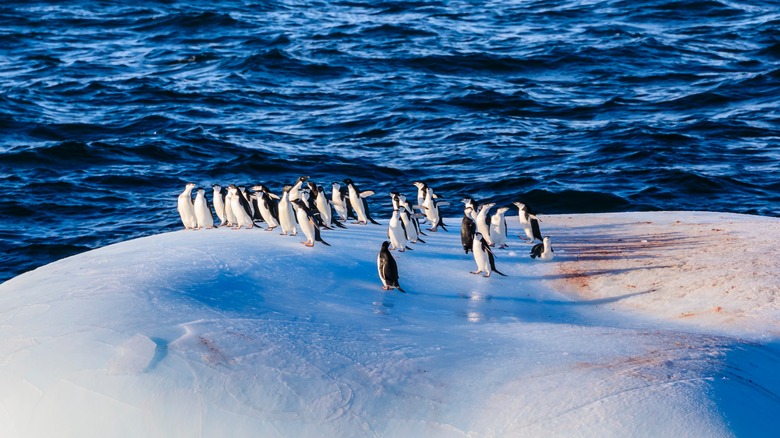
<point x="483" y="256"/>
<point x="467" y="229"/>
<point x="286" y="213"/>
<point x="295" y="188"/>
<point x="249" y="203"/>
<point x="529" y="222"/>
<point x="483" y="221"/>
<point x="359" y="203"/>
<point x="431" y="207"/>
<point x="388" y="269"/>
<point x="309" y="228"/>
<point x="340" y="201"/>
<point x="240" y="208"/>
<point x="544" y="250"/>
<point x="471" y="207"/>
<point x="396" y="232"/>
<point x="498" y="228"/>
<point x="325" y="209"/>
<point x="218" y="199"/>
<point x="202" y="210"/>
<point x="186" y="208"/>
<point x="266" y="206"/>
<point x="229" y="215"/>
<point x="422" y="188"/>
<point x="409" y="218"/>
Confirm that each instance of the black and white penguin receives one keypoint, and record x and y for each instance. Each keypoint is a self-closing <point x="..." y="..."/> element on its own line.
<point x="544" y="250"/>
<point x="472" y="203"/>
<point x="287" y="214"/>
<point x="203" y="213"/>
<point x="430" y="206"/>
<point x="388" y="269"/>
<point x="326" y="210"/>
<point x="249" y="203"/>
<point x="240" y="208"/>
<point x="529" y="222"/>
<point x="483" y="256"/>
<point x="267" y="206"/>
<point x="467" y="229"/>
<point x="498" y="228"/>
<point x="309" y="227"/>
<point x="409" y="220"/>
<point x="483" y="221"/>
<point x="295" y="188"/>
<point x="340" y="200"/>
<point x="359" y="203"/>
<point x="186" y="208"/>
<point x="218" y="199"/>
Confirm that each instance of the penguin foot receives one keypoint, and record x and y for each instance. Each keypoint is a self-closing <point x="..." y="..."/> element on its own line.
<point x="309" y="244"/>
<point x="475" y="272"/>
<point x="487" y="275"/>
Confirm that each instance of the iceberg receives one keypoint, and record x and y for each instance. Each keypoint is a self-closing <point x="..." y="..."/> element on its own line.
<point x="644" y="324"/>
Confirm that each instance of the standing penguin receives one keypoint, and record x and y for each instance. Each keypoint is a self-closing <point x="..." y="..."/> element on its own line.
<point x="267" y="206"/>
<point x="529" y="222"/>
<point x="408" y="220"/>
<point x="229" y="216"/>
<point x="544" y="250"/>
<point x="202" y="210"/>
<point x="467" y="229"/>
<point x="359" y="203"/>
<point x="186" y="209"/>
<point x="240" y="208"/>
<point x="483" y="221"/>
<point x="310" y="229"/>
<point x="470" y="207"/>
<point x="340" y="201"/>
<point x="498" y="228"/>
<point x="286" y="213"/>
<point x="484" y="257"/>
<point x="218" y="199"/>
<point x="396" y="232"/>
<point x="325" y="209"/>
<point x="295" y="188"/>
<point x="431" y="207"/>
<point x="388" y="269"/>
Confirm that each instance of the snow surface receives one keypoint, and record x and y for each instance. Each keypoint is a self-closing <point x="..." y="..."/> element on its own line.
<point x="645" y="324"/>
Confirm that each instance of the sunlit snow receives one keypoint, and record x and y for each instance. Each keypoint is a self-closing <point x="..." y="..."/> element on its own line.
<point x="645" y="324"/>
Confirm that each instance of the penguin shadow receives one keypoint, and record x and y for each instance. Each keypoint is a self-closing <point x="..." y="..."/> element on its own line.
<point x="490" y="308"/>
<point x="595" y="273"/>
<point x="160" y="352"/>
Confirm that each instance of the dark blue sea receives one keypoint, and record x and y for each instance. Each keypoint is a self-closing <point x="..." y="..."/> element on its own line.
<point x="107" y="108"/>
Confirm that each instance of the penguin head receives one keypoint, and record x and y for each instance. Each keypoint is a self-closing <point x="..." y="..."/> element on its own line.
<point x="520" y="206"/>
<point x="347" y="181"/>
<point x="478" y="236"/>
<point x="191" y="185"/>
<point x="302" y="178"/>
<point x="257" y="188"/>
<point x="385" y="245"/>
<point x="502" y="210"/>
<point x="216" y="187"/>
<point x="335" y="185"/>
<point x="420" y="184"/>
<point x="286" y="189"/>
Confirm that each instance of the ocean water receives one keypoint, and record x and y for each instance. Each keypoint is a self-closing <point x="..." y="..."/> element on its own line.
<point x="108" y="107"/>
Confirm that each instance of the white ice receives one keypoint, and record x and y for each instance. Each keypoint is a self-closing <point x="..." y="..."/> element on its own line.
<point x="645" y="324"/>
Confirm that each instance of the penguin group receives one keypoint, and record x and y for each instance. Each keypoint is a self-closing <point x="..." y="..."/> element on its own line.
<point x="307" y="206"/>
<point x="302" y="205"/>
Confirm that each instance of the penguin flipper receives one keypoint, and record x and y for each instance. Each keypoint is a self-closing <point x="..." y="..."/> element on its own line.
<point x="536" y="251"/>
<point x="537" y="233"/>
